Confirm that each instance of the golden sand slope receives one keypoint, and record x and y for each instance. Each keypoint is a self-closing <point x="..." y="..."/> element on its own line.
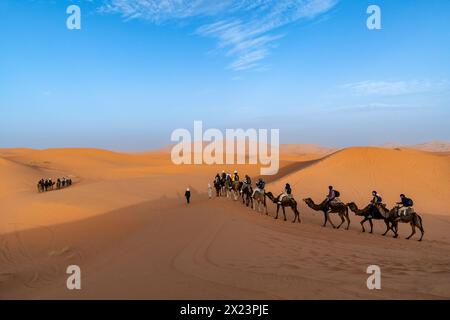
<point x="103" y="181"/>
<point x="356" y="172"/>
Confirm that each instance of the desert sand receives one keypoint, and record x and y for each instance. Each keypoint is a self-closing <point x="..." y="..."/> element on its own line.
<point x="124" y="221"/>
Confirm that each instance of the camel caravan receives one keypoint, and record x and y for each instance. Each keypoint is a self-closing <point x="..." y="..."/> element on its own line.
<point x="48" y="184"/>
<point x="230" y="186"/>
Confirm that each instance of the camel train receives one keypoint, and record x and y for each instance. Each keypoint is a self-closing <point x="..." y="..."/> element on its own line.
<point x="230" y="186"/>
<point x="44" y="185"/>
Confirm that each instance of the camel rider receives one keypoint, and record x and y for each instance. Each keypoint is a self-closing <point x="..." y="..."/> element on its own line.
<point x="288" y="189"/>
<point x="260" y="185"/>
<point x="376" y="200"/>
<point x="375" y="203"/>
<point x="247" y="180"/>
<point x="224" y="175"/>
<point x="330" y="197"/>
<point x="217" y="180"/>
<point x="287" y="192"/>
<point x="235" y="176"/>
<point x="405" y="205"/>
<point x="229" y="180"/>
<point x="331" y="194"/>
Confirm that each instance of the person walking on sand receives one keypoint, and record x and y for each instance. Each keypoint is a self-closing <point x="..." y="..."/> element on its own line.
<point x="209" y="190"/>
<point x="187" y="194"/>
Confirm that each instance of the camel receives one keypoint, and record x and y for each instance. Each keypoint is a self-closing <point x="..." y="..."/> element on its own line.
<point x="339" y="208"/>
<point x="414" y="219"/>
<point x="285" y="202"/>
<point x="218" y="187"/>
<point x="259" y="198"/>
<point x="228" y="186"/>
<point x="246" y="192"/>
<point x="368" y="216"/>
<point x="236" y="189"/>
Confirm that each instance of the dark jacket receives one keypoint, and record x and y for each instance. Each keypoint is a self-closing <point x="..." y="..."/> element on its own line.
<point x="406" y="202"/>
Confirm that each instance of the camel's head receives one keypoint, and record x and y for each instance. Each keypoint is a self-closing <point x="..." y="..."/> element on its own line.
<point x="271" y="196"/>
<point x="353" y="207"/>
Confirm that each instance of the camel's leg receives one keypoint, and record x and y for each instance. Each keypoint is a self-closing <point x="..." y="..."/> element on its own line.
<point x="295" y="213"/>
<point x="325" y="219"/>
<point x="348" y="219"/>
<point x="420" y="226"/>
<point x="422" y="232"/>
<point x="342" y="220"/>
<point x="329" y="220"/>
<point x="413" y="229"/>
<point x="284" y="213"/>
<point x="371" y="225"/>
<point x="278" y="208"/>
<point x="395" y="229"/>
<point x="362" y="224"/>
<point x="387" y="227"/>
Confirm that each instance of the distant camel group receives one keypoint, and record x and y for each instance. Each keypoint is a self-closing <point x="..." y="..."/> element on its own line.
<point x="225" y="187"/>
<point x="48" y="184"/>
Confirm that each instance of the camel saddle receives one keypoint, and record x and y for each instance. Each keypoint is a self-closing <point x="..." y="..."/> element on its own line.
<point x="336" y="201"/>
<point x="405" y="211"/>
<point x="284" y="195"/>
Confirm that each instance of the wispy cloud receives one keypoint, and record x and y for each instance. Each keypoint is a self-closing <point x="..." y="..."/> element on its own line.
<point x="377" y="106"/>
<point x="246" y="30"/>
<point x="394" y="88"/>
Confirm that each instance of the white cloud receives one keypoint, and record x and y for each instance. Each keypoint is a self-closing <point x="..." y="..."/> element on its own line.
<point x="246" y="30"/>
<point x="393" y="88"/>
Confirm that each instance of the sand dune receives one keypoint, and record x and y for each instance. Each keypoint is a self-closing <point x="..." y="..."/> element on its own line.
<point x="430" y="146"/>
<point x="355" y="172"/>
<point x="124" y="221"/>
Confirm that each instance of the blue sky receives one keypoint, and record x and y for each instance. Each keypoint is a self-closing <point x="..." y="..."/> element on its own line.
<point x="137" y="70"/>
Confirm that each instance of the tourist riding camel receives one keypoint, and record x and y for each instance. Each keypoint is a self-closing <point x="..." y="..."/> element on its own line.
<point x="368" y="213"/>
<point x="259" y="195"/>
<point x="405" y="205"/>
<point x="260" y="185"/>
<point x="331" y="204"/>
<point x="247" y="180"/>
<point x="247" y="191"/>
<point x="330" y="197"/>
<point x="287" y="193"/>
<point x="284" y="201"/>
<point x="235" y="176"/>
<point x="218" y="184"/>
<point x="411" y="217"/>
<point x="375" y="203"/>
